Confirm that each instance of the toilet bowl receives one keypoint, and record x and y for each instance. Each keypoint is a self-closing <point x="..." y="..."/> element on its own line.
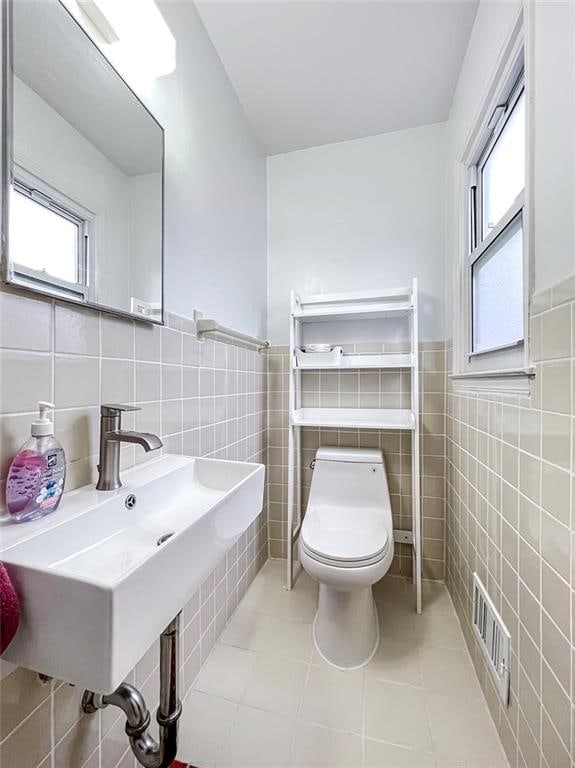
<point x="346" y="544"/>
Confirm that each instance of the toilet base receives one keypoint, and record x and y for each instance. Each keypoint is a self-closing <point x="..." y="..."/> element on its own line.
<point x="346" y="627"/>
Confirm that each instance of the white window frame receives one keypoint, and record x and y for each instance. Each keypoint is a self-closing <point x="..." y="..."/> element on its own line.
<point x="42" y="193"/>
<point x="504" y="368"/>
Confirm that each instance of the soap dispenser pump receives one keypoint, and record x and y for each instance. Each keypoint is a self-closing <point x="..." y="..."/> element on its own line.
<point x="38" y="471"/>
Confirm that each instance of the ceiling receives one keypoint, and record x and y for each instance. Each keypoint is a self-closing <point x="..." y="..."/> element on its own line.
<point x="310" y="73"/>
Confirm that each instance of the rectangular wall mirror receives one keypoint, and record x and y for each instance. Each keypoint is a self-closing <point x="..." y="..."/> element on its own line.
<point x="83" y="195"/>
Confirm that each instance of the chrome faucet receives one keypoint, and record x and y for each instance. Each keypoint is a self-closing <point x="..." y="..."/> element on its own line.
<point x="111" y="435"/>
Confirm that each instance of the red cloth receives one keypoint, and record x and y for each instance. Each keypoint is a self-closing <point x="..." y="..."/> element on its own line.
<point x="9" y="609"/>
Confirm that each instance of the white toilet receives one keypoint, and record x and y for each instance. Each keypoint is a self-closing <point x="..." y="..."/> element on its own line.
<point x="346" y="544"/>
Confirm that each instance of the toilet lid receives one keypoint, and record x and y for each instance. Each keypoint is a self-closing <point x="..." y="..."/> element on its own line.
<point x="344" y="535"/>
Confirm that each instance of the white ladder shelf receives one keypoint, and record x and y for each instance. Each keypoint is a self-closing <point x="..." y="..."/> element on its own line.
<point x="372" y="305"/>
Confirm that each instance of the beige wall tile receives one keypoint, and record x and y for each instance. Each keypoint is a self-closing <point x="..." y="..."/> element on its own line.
<point x="557" y="703"/>
<point x="117" y="381"/>
<point x="530" y="431"/>
<point x="555" y="492"/>
<point x="14" y="431"/>
<point x="21" y="693"/>
<point x="77" y="330"/>
<point x="77" y="381"/>
<point x="556" y="340"/>
<point x="25" y="323"/>
<point x="536" y="339"/>
<point x="556" y="545"/>
<point x="147" y="338"/>
<point x="554" y="751"/>
<point x="556" y="431"/>
<point x="556" y="650"/>
<point x="529" y="567"/>
<point x="556" y="387"/>
<point x="556" y="598"/>
<point x="530" y="477"/>
<point x="25" y="378"/>
<point x="171" y="417"/>
<point x="29" y="743"/>
<point x="148" y="381"/>
<point x="171" y="346"/>
<point x="78" y="430"/>
<point x="118" y="337"/>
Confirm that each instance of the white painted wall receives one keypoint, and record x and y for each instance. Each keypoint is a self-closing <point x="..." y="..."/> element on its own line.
<point x="215" y="203"/>
<point x="358" y="215"/>
<point x="551" y="52"/>
<point x="554" y="141"/>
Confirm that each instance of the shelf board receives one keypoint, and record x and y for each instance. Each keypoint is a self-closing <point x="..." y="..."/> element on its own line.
<point x="350" y="362"/>
<point x="319" y="313"/>
<point x="355" y="418"/>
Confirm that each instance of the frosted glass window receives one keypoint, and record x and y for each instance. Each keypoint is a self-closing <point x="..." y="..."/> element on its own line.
<point x="42" y="239"/>
<point x="498" y="291"/>
<point x="503" y="174"/>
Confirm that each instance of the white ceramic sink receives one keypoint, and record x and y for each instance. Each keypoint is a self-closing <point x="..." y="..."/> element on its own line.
<point x="97" y="589"/>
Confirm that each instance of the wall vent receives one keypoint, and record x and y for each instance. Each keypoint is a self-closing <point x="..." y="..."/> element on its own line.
<point x="493" y="636"/>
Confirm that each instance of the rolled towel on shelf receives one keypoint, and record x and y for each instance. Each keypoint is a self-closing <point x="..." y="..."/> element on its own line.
<point x="310" y="358"/>
<point x="9" y="609"/>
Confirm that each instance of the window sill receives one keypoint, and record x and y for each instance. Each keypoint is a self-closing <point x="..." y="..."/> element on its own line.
<point x="515" y="381"/>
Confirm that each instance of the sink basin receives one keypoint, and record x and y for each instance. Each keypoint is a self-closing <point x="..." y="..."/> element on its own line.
<point x="96" y="586"/>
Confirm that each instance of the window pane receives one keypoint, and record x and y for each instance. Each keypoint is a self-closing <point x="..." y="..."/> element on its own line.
<point x="498" y="291"/>
<point x="504" y="171"/>
<point x="42" y="239"/>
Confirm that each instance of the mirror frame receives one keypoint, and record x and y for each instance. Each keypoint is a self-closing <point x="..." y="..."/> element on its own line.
<point x="7" y="158"/>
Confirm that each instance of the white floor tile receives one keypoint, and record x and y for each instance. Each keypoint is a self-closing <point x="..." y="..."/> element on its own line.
<point x="204" y="728"/>
<point x="392" y="589"/>
<point x="436" y="598"/>
<point x="396" y="714"/>
<point x="289" y="637"/>
<point x="246" y="629"/>
<point x="226" y="672"/>
<point x="274" y="600"/>
<point x="381" y="755"/>
<point x="445" y="670"/>
<point x="276" y="685"/>
<point x="397" y="622"/>
<point x="258" y="738"/>
<point x="315" y="745"/>
<point x="265" y="697"/>
<point x="439" y="629"/>
<point x="396" y="662"/>
<point x="462" y="730"/>
<point x="334" y="699"/>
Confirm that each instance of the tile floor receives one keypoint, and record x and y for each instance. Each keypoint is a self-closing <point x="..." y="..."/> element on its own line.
<point x="266" y="698"/>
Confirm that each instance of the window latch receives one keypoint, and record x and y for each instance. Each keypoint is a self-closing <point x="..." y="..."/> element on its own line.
<point x="496" y="116"/>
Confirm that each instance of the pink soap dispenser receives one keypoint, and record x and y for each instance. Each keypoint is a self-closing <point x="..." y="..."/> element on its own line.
<point x="38" y="471"/>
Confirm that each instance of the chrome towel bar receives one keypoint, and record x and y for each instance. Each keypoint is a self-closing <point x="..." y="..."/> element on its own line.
<point x="213" y="328"/>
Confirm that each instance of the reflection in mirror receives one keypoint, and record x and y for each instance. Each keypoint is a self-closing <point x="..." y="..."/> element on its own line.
<point x="86" y="203"/>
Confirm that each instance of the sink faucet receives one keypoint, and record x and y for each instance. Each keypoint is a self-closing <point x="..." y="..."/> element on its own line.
<point x="111" y="435"/>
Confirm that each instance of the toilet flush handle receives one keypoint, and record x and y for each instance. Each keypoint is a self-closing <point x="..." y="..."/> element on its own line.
<point x="312" y="464"/>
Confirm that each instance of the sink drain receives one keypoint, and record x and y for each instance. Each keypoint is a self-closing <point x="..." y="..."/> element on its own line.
<point x="164" y="537"/>
<point x="130" y="501"/>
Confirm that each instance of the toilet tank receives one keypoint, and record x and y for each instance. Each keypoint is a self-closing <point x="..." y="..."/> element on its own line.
<point x="349" y="477"/>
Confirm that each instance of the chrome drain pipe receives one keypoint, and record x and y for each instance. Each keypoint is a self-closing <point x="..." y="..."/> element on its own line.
<point x="149" y="752"/>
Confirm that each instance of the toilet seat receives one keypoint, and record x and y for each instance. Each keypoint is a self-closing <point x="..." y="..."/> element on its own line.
<point x="345" y="538"/>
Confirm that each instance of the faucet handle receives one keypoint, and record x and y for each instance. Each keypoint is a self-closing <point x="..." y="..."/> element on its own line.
<point x="115" y="409"/>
